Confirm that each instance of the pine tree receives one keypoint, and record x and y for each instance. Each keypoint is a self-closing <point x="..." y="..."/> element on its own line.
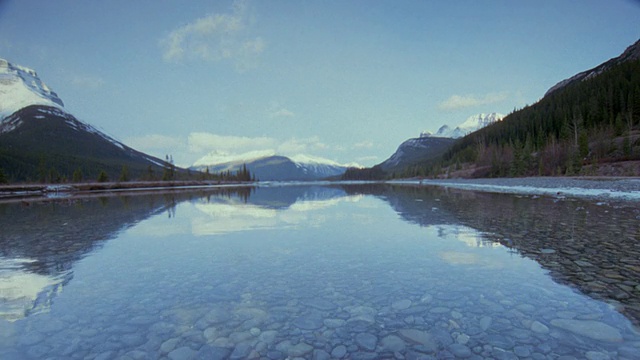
<point x="124" y="174"/>
<point x="77" y="175"/>
<point x="103" y="177"/>
<point x="3" y="178"/>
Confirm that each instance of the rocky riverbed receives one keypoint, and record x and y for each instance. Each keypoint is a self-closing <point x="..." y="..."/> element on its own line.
<point x="353" y="282"/>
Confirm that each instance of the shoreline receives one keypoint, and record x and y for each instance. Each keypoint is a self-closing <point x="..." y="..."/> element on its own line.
<point x="43" y="192"/>
<point x="602" y="188"/>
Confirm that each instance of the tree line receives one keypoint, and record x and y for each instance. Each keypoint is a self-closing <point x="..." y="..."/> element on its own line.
<point x="591" y="122"/>
<point x="49" y="174"/>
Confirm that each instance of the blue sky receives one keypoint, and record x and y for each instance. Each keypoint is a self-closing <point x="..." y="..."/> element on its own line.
<point x="344" y="80"/>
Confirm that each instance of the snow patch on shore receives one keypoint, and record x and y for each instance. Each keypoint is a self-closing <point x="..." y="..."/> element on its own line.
<point x="599" y="193"/>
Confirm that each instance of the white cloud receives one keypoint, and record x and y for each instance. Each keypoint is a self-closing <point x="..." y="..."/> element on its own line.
<point x="208" y="148"/>
<point x="363" y="145"/>
<point x="295" y="146"/>
<point x="204" y="142"/>
<point x="281" y="113"/>
<point x="462" y="101"/>
<point x="216" y="37"/>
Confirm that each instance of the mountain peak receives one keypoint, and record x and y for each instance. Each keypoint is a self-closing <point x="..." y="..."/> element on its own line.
<point x="21" y="87"/>
<point x="473" y="123"/>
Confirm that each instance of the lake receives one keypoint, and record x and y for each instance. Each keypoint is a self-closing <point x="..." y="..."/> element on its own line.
<point x="344" y="271"/>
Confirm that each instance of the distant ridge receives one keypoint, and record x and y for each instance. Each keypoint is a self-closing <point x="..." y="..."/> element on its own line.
<point x="267" y="166"/>
<point x="630" y="54"/>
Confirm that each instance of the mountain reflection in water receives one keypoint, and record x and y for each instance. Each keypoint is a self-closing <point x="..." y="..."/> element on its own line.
<point x="591" y="245"/>
<point x="364" y="271"/>
<point x="40" y="242"/>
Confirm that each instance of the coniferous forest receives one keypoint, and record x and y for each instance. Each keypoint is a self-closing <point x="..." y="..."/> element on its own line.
<point x="575" y="130"/>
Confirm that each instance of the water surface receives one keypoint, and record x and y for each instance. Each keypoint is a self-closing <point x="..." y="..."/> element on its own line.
<point x="318" y="272"/>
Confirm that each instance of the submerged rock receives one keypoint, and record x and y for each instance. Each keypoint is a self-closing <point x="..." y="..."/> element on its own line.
<point x="419" y="337"/>
<point x="367" y="341"/>
<point x="310" y="321"/>
<point x="590" y="328"/>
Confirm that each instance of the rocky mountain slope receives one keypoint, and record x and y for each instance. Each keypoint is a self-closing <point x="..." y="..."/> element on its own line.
<point x="41" y="141"/>
<point x="430" y="146"/>
<point x="630" y="54"/>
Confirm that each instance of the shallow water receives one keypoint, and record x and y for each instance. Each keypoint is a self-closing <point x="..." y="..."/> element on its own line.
<point x="318" y="272"/>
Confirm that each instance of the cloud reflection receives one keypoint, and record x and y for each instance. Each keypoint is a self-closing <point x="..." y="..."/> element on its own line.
<point x="232" y="215"/>
<point x="24" y="293"/>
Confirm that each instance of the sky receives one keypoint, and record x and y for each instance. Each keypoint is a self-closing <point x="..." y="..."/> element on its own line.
<point x="343" y="80"/>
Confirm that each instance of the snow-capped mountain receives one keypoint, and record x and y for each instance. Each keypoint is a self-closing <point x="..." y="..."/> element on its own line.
<point x="473" y="123"/>
<point x="267" y="165"/>
<point x="38" y="135"/>
<point x="21" y="87"/>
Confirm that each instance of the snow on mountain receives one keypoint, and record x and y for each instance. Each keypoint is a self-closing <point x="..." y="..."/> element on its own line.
<point x="473" y="123"/>
<point x="301" y="160"/>
<point x="267" y="165"/>
<point x="221" y="157"/>
<point x="21" y="87"/>
<point x="318" y="166"/>
<point x="316" y="160"/>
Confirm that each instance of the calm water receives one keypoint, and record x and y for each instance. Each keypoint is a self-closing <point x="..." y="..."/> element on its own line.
<point x="319" y="272"/>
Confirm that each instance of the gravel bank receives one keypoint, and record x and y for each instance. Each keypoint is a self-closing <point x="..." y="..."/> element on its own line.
<point x="602" y="188"/>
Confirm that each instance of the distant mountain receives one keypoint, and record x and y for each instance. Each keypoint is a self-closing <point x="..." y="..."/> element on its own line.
<point x="473" y="123"/>
<point x="630" y="54"/>
<point x="415" y="151"/>
<point x="430" y="146"/>
<point x="266" y="166"/>
<point x="40" y="140"/>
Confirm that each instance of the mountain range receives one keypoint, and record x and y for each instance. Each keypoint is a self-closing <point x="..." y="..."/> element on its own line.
<point x="267" y="166"/>
<point x="429" y="146"/>
<point x="473" y="123"/>
<point x="588" y="118"/>
<point x="41" y="141"/>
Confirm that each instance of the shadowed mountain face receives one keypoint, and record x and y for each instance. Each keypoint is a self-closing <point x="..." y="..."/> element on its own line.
<point x="415" y="151"/>
<point x="37" y="140"/>
<point x="588" y="245"/>
<point x="277" y="168"/>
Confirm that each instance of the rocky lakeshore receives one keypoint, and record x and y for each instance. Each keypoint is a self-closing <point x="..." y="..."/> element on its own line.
<point x="625" y="188"/>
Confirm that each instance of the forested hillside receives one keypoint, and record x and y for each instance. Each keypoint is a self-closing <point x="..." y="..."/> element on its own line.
<point x="578" y="129"/>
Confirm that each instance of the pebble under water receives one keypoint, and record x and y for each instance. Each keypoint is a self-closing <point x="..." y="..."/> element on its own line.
<point x="316" y="273"/>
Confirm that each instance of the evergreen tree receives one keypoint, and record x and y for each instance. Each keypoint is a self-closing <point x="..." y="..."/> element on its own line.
<point x="124" y="174"/>
<point x="3" y="178"/>
<point x="53" y="176"/>
<point x="77" y="175"/>
<point x="103" y="177"/>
